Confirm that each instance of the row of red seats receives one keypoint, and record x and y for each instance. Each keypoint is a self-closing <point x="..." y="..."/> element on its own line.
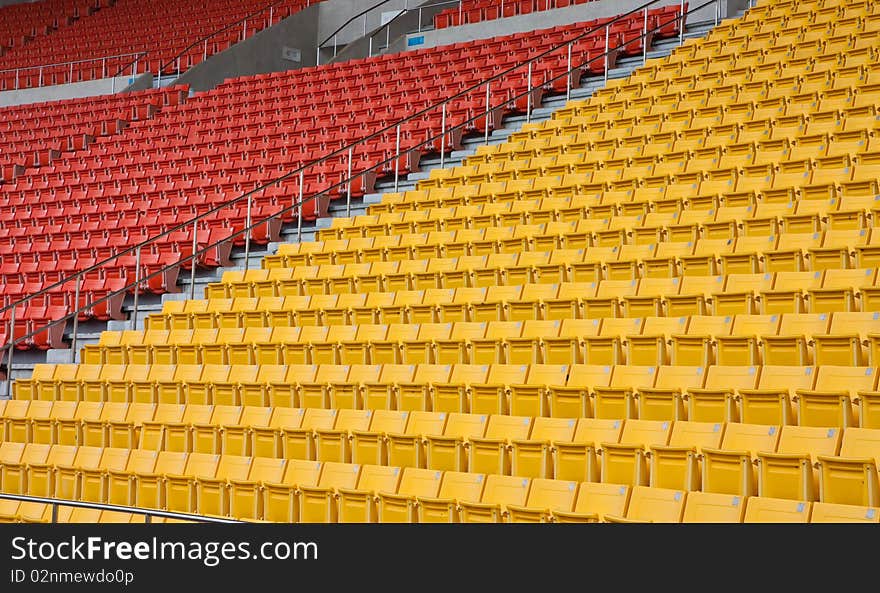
<point x="31" y="138"/>
<point x="24" y="21"/>
<point x="118" y="28"/>
<point x="475" y="11"/>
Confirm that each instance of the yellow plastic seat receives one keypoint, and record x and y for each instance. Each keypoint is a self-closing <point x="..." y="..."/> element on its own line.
<point x="625" y="462"/>
<point x="761" y="509"/>
<point x="448" y="451"/>
<point x="499" y="492"/>
<point x="790" y="472"/>
<point x="454" y="488"/>
<point x="653" y="505"/>
<point x="709" y="507"/>
<point x="401" y="506"/>
<point x="594" y="501"/>
<point x="730" y="469"/>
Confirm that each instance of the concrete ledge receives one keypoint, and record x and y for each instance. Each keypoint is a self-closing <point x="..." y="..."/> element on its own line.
<point x="75" y="90"/>
<point x="551" y="18"/>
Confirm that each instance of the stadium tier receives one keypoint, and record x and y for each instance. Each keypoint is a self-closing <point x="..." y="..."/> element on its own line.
<point x="475" y="11"/>
<point x="659" y="305"/>
<point x="106" y="40"/>
<point x="198" y="152"/>
<point x="21" y="23"/>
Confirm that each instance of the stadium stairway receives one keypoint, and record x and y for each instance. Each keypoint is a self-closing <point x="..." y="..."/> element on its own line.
<point x="89" y="332"/>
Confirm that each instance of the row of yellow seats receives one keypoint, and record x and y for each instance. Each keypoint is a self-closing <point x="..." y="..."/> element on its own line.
<point x="798" y="180"/>
<point x="700" y="291"/>
<point x="793" y="44"/>
<point x="813" y="293"/>
<point x="627" y="237"/>
<point x="634" y="451"/>
<point x="611" y="220"/>
<point x="841" y="339"/>
<point x="309" y="491"/>
<point x="589" y="151"/>
<point x="828" y="395"/>
<point x="818" y="10"/>
<point x="777" y="162"/>
<point x="844" y="339"/>
<point x="13" y="511"/>
<point x="665" y="453"/>
<point x="620" y="247"/>
<point x="641" y="91"/>
<point x="808" y="74"/>
<point x="331" y="492"/>
<point x="660" y="120"/>
<point x="579" y="201"/>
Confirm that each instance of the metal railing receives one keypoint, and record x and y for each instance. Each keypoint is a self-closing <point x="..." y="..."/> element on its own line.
<point x="342" y="187"/>
<point x="69" y="67"/>
<point x="387" y="26"/>
<point x="267" y="12"/>
<point x="81" y="504"/>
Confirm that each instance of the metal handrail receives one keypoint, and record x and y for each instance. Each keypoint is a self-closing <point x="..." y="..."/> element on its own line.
<point x="204" y="40"/>
<point x="147" y="513"/>
<point x="297" y="206"/>
<point x="362" y="13"/>
<point x="403" y="12"/>
<point x="70" y="64"/>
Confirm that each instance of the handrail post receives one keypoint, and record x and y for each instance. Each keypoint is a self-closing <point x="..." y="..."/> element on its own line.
<point x="365" y="24"/>
<point x="16" y="79"/>
<point x="397" y="159"/>
<point x="70" y="77"/>
<point x="137" y="287"/>
<point x="11" y="350"/>
<point x="420" y="20"/>
<point x="334" y="45"/>
<point x="645" y="39"/>
<point x="205" y="51"/>
<point x="299" y="210"/>
<point x="681" y="22"/>
<point x="443" y="135"/>
<point x="271" y="15"/>
<point x="40" y="77"/>
<point x="244" y="30"/>
<point x="607" y="34"/>
<point x="486" y="119"/>
<point x="370" y="51"/>
<point x="247" y="235"/>
<point x="192" y="270"/>
<point x="348" y="189"/>
<point x="54" y="512"/>
<point x="103" y="67"/>
<point x="387" y="36"/>
<point x="75" y="320"/>
<point x="717" y="11"/>
<point x="568" y="76"/>
<point x="529" y="96"/>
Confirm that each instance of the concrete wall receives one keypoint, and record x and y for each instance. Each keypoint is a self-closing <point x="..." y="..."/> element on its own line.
<point x="413" y="20"/>
<point x="76" y="90"/>
<point x="336" y="12"/>
<point x="270" y="50"/>
<point x="560" y="16"/>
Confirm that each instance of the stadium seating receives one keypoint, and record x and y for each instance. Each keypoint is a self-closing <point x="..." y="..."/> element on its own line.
<point x="198" y="152"/>
<point x="484" y="350"/>
<point x="102" y="39"/>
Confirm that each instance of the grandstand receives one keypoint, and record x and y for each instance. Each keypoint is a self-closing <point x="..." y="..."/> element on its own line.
<point x="621" y="269"/>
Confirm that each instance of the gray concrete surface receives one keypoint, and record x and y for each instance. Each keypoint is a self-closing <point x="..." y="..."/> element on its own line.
<point x="75" y="90"/>
<point x="552" y="18"/>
